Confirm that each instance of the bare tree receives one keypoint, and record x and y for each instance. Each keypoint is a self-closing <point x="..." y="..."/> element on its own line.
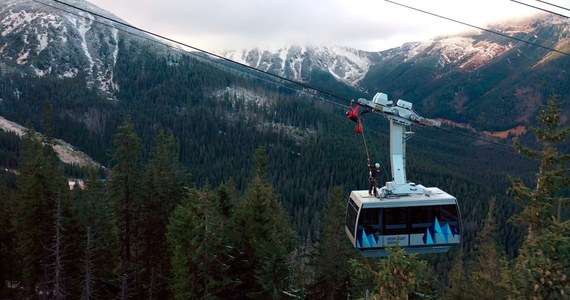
<point x="58" y="289"/>
<point x="88" y="291"/>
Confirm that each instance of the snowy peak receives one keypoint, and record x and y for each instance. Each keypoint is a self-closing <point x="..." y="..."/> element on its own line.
<point x="300" y="62"/>
<point x="59" y="40"/>
<point x="469" y="52"/>
<point x="459" y="53"/>
<point x="466" y="52"/>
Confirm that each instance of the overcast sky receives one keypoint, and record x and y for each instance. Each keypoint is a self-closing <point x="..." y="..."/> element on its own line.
<point x="374" y="25"/>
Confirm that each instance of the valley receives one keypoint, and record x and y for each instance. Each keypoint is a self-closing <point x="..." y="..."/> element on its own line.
<point x="192" y="168"/>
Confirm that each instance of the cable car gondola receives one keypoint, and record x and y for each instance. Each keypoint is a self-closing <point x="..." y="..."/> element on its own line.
<point x="419" y="219"/>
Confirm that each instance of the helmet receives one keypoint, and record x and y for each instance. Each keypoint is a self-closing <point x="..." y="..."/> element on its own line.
<point x="377" y="166"/>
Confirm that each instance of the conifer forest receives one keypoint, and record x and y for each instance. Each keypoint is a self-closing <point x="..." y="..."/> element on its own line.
<point x="199" y="194"/>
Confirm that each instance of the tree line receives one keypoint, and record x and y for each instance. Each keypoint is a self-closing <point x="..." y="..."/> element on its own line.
<point x="215" y="141"/>
<point x="147" y="232"/>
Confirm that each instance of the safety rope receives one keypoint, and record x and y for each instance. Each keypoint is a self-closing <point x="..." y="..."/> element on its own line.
<point x="368" y="156"/>
<point x="365" y="146"/>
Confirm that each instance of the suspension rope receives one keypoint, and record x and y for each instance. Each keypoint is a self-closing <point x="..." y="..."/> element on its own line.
<point x="365" y="146"/>
<point x="368" y="157"/>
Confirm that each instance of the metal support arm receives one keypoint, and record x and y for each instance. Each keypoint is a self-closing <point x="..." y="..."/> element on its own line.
<point x="400" y="115"/>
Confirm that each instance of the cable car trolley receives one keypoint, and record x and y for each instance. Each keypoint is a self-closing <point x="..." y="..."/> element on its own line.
<point x="419" y="219"/>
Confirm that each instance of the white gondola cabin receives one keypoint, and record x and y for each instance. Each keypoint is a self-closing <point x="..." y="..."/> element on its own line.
<point x="418" y="223"/>
<point x="419" y="219"/>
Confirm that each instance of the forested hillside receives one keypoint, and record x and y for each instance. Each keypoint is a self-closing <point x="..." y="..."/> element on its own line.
<point x="221" y="183"/>
<point x="311" y="146"/>
<point x="147" y="231"/>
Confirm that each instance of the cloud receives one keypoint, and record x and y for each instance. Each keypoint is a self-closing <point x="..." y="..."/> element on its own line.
<point x="216" y="25"/>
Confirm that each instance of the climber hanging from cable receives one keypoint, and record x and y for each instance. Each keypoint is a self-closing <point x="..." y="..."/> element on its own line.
<point x="355" y="116"/>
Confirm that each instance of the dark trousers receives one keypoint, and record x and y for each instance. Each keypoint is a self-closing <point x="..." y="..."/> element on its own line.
<point x="373" y="186"/>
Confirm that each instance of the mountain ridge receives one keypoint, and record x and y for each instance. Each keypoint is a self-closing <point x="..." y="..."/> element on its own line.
<point x="218" y="129"/>
<point x="471" y="50"/>
<point x="46" y="39"/>
<point x="456" y="77"/>
<point x="346" y="64"/>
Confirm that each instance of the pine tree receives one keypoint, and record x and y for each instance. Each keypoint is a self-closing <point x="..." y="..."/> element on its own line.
<point x="457" y="287"/>
<point x="126" y="193"/>
<point x="71" y="246"/>
<point x="301" y="264"/>
<point x="198" y="248"/>
<point x="540" y="202"/>
<point x="100" y="241"/>
<point x="332" y="263"/>
<point x="543" y="266"/>
<point x="399" y="276"/>
<point x="264" y="237"/>
<point x="8" y="259"/>
<point x="42" y="187"/>
<point x="88" y="286"/>
<point x="542" y="270"/>
<point x="489" y="273"/>
<point x="164" y="189"/>
<point x="59" y="289"/>
<point x="34" y="214"/>
<point x="226" y="194"/>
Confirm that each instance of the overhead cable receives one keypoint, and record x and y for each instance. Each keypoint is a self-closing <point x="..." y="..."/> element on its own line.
<point x="502" y="147"/>
<point x="480" y="28"/>
<point x="540" y="8"/>
<point x="551" y="4"/>
<point x="203" y="51"/>
<point x="217" y="62"/>
<point x="242" y="65"/>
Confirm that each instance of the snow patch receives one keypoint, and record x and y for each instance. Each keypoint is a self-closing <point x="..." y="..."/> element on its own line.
<point x="83" y="25"/>
<point x="464" y="51"/>
<point x="42" y="72"/>
<point x="23" y="57"/>
<point x="108" y="84"/>
<point x="296" y="64"/>
<point x="66" y="153"/>
<point x="416" y="49"/>
<point x="483" y="53"/>
<point x="283" y="56"/>
<point x="239" y="56"/>
<point x="69" y="155"/>
<point x="70" y="73"/>
<point x="298" y="134"/>
<point x="345" y="64"/>
<point x="17" y="21"/>
<point x="247" y="96"/>
<point x="63" y="36"/>
<point x="43" y="39"/>
<point x="10" y="126"/>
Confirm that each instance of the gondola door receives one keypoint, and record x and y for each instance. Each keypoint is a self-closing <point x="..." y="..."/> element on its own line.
<point x="396" y="226"/>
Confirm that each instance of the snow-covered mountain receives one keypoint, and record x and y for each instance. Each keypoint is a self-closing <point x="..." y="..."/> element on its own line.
<point x="55" y="39"/>
<point x="464" y="53"/>
<point x="301" y="62"/>
<point x="475" y="77"/>
<point x="468" y="52"/>
<point x="459" y="77"/>
<point x="47" y="38"/>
